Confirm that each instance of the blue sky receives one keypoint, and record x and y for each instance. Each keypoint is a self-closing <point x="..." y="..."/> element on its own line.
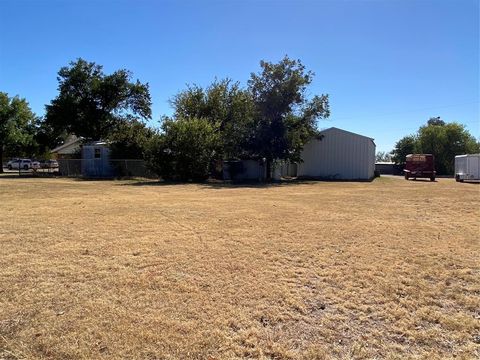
<point x="387" y="65"/>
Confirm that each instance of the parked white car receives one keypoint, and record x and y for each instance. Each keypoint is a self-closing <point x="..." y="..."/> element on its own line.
<point x="23" y="164"/>
<point x="49" y="164"/>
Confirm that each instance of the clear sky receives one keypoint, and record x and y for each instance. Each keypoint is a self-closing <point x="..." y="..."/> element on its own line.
<point x="387" y="65"/>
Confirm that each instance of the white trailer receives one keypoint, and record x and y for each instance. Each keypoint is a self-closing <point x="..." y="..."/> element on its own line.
<point x="467" y="167"/>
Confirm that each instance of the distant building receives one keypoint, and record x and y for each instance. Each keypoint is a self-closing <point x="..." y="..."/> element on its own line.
<point x="69" y="149"/>
<point x="388" y="168"/>
<point x="78" y="157"/>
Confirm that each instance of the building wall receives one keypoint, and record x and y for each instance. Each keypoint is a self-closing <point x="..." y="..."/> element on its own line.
<point x="96" y="166"/>
<point x="385" y="168"/>
<point x="338" y="155"/>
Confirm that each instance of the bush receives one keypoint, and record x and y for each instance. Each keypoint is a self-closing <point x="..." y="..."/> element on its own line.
<point x="184" y="150"/>
<point x="129" y="140"/>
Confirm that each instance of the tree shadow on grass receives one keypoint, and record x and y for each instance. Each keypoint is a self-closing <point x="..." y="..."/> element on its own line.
<point x="208" y="184"/>
<point x="26" y="176"/>
<point x="218" y="184"/>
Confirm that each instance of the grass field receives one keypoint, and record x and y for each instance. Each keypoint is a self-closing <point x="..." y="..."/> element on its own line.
<point x="124" y="269"/>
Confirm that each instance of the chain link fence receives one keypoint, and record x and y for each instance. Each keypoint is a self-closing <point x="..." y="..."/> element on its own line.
<point x="132" y="168"/>
<point x="90" y="168"/>
<point x="97" y="168"/>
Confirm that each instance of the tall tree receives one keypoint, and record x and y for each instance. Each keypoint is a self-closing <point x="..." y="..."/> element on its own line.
<point x="16" y="125"/>
<point x="227" y="106"/>
<point x="129" y="140"/>
<point x="285" y="118"/>
<point x="91" y="104"/>
<point x="403" y="147"/>
<point x="184" y="149"/>
<point x="443" y="140"/>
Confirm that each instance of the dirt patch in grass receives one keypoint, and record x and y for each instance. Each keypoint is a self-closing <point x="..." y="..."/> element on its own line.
<point x="388" y="269"/>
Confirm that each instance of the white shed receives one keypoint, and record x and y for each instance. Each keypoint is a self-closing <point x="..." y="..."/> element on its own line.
<point x="339" y="154"/>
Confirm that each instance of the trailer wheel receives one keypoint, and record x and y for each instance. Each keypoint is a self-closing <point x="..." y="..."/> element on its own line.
<point x="406" y="176"/>
<point x="432" y="178"/>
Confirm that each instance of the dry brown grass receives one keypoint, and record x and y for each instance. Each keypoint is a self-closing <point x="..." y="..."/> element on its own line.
<point x="386" y="270"/>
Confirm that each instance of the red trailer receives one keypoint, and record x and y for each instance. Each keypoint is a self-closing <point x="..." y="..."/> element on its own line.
<point x="420" y="166"/>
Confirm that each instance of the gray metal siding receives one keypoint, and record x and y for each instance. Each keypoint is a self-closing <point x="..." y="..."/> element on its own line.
<point x="339" y="155"/>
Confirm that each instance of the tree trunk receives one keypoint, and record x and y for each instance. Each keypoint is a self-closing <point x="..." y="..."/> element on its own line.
<point x="1" y="158"/>
<point x="269" y="169"/>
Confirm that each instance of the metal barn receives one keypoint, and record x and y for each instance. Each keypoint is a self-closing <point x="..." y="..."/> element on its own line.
<point x="338" y="155"/>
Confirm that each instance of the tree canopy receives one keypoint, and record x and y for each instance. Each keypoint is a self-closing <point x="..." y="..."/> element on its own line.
<point x="130" y="140"/>
<point x="17" y="123"/>
<point x="91" y="104"/>
<point x="184" y="149"/>
<point x="272" y="118"/>
<point x="285" y="118"/>
<point x="443" y="140"/>
<point x="403" y="147"/>
<point x="227" y="107"/>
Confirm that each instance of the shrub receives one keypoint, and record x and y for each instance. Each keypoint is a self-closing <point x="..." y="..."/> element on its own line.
<point x="184" y="150"/>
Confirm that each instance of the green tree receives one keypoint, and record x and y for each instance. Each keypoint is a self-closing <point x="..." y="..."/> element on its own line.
<point x="445" y="141"/>
<point x="227" y="106"/>
<point x="184" y="149"/>
<point x="285" y="118"/>
<point x="46" y="138"/>
<point x="16" y="126"/>
<point x="92" y="104"/>
<point x="403" y="147"/>
<point x="130" y="140"/>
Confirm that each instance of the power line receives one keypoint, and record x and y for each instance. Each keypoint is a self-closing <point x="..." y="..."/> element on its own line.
<point x="409" y="111"/>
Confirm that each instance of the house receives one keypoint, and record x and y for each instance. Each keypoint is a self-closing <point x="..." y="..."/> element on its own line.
<point x="338" y="155"/>
<point x="77" y="157"/>
<point x="69" y="149"/>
